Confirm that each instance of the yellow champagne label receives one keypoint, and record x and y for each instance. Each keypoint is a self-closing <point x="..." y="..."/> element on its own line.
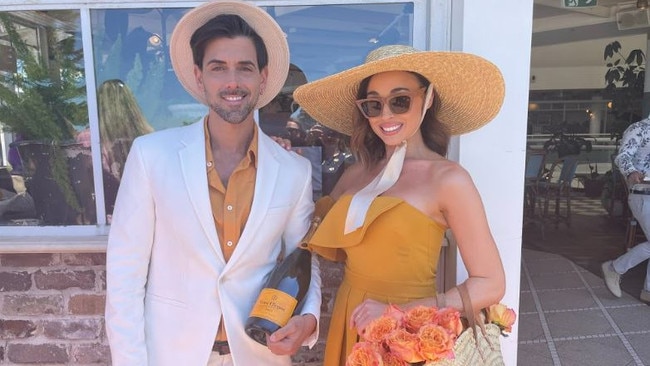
<point x="275" y="306"/>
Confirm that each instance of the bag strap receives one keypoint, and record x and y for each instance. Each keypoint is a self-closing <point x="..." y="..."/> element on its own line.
<point x="470" y="315"/>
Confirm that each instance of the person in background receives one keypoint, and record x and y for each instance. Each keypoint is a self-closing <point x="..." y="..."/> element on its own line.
<point x="633" y="160"/>
<point x="120" y="121"/>
<point x="390" y="210"/>
<point x="202" y="210"/>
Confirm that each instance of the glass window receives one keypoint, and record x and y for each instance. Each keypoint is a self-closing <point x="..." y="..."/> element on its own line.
<point x="43" y="109"/>
<point x="43" y="79"/>
<point x="324" y="40"/>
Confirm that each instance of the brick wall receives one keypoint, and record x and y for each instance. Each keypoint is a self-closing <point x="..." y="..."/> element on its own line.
<point x="52" y="306"/>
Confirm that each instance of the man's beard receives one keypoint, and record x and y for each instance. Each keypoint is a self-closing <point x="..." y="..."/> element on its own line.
<point x="234" y="116"/>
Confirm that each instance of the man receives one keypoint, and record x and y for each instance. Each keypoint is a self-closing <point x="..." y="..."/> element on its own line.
<point x="202" y="210"/>
<point x="633" y="160"/>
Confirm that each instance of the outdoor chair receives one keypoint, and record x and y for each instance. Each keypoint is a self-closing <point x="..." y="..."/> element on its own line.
<point x="535" y="160"/>
<point x="556" y="187"/>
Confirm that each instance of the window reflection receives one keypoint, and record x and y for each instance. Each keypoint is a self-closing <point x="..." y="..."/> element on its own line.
<point x="131" y="45"/>
<point x="43" y="108"/>
<point x="130" y="51"/>
<point x="324" y="40"/>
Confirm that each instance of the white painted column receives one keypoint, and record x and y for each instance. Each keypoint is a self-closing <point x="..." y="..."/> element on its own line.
<point x="501" y="31"/>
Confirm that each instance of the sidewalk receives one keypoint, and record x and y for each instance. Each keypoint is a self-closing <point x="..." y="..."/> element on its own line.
<point x="567" y="315"/>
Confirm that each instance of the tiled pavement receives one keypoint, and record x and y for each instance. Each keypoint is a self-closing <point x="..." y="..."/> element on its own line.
<point x="567" y="315"/>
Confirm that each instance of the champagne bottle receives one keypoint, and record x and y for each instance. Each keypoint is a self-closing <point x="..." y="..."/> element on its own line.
<point x="283" y="293"/>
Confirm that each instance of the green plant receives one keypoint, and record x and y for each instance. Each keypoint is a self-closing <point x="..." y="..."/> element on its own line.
<point x="45" y="98"/>
<point x="624" y="80"/>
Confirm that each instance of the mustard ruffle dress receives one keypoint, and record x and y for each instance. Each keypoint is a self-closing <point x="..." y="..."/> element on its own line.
<point x="392" y="258"/>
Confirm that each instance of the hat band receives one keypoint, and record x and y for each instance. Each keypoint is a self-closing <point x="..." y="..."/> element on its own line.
<point x="361" y="200"/>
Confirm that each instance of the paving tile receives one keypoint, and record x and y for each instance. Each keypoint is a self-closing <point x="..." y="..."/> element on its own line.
<point x="566" y="299"/>
<point x="530" y="328"/>
<point x="578" y="323"/>
<point x="555" y="265"/>
<point x="530" y="255"/>
<point x="526" y="303"/>
<point x="536" y="354"/>
<point x="609" y="300"/>
<point x="607" y="351"/>
<point x="591" y="279"/>
<point x="557" y="281"/>
<point x="523" y="283"/>
<point x="640" y="343"/>
<point x="632" y="318"/>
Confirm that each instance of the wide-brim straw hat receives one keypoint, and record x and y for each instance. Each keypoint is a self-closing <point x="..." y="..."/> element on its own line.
<point x="263" y="24"/>
<point x="470" y="88"/>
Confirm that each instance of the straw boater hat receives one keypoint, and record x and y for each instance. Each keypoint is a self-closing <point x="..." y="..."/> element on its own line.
<point x="263" y="24"/>
<point x="470" y="88"/>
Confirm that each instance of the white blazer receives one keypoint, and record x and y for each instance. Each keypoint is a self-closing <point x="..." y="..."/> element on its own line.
<point x="167" y="281"/>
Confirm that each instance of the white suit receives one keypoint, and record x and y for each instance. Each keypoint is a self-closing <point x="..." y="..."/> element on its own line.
<point x="167" y="281"/>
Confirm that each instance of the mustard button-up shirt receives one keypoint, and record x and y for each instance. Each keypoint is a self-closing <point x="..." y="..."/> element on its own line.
<point x="231" y="203"/>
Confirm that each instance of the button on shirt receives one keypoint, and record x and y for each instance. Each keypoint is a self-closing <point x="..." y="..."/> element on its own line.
<point x="232" y="205"/>
<point x="634" y="151"/>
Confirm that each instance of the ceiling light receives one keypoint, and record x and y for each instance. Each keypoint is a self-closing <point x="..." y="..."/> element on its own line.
<point x="642" y="4"/>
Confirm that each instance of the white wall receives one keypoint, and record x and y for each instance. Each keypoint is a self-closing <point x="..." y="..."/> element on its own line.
<point x="495" y="154"/>
<point x="576" y="65"/>
<point x="575" y="77"/>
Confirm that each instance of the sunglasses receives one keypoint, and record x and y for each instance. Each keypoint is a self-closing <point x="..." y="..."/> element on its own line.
<point x="399" y="103"/>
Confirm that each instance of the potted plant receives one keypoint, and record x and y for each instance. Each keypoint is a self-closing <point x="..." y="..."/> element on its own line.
<point x="565" y="143"/>
<point x="42" y="103"/>
<point x="594" y="182"/>
<point x="624" y="78"/>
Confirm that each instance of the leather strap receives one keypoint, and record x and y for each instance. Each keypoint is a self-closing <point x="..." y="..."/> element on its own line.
<point x="441" y="300"/>
<point x="470" y="315"/>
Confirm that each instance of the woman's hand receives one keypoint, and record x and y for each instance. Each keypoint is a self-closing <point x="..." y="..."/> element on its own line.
<point x="365" y="313"/>
<point x="285" y="143"/>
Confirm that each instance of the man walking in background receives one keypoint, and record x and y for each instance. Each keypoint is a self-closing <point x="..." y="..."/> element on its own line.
<point x="633" y="160"/>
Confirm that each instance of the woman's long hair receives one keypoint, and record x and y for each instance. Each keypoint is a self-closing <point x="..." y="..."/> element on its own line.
<point x="120" y="122"/>
<point x="369" y="149"/>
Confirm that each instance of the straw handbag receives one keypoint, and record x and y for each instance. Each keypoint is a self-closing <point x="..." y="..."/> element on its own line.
<point x="479" y="344"/>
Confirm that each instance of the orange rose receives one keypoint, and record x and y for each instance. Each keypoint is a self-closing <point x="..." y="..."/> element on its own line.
<point x="364" y="354"/>
<point x="379" y="328"/>
<point x="435" y="343"/>
<point x="391" y="359"/>
<point x="449" y="318"/>
<point x="404" y="345"/>
<point x="502" y="316"/>
<point x="418" y="316"/>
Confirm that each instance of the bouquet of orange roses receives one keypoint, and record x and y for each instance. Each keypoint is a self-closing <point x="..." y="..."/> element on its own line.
<point x="418" y="336"/>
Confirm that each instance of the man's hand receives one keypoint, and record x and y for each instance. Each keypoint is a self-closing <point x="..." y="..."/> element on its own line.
<point x="634" y="178"/>
<point x="288" y="339"/>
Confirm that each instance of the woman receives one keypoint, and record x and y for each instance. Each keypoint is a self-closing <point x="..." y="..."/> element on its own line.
<point x="391" y="209"/>
<point x="120" y="121"/>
